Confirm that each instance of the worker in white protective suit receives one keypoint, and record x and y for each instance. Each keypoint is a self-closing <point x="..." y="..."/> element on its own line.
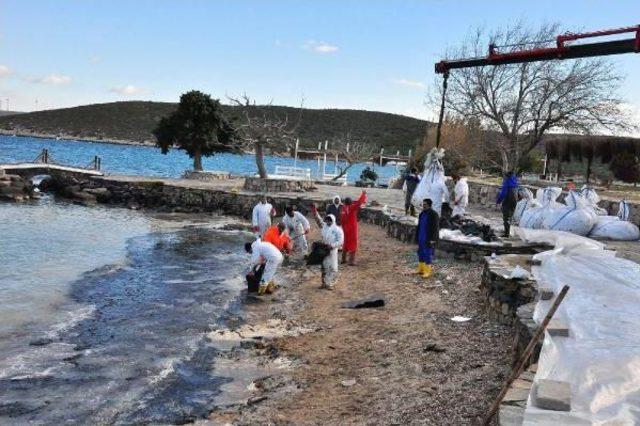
<point x="432" y="185"/>
<point x="333" y="237"/>
<point x="298" y="227"/>
<point x="460" y="195"/>
<point x="269" y="255"/>
<point x="261" y="217"/>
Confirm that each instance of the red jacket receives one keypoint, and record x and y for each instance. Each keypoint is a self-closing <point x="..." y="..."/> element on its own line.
<point x="349" y="220"/>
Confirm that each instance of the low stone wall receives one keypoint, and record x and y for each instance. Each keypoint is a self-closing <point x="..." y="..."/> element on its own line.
<point x="206" y="176"/>
<point x="511" y="301"/>
<point x="268" y="185"/>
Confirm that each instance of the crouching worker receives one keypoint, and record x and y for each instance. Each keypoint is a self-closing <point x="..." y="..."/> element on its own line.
<point x="269" y="255"/>
<point x="333" y="238"/>
<point x="427" y="233"/>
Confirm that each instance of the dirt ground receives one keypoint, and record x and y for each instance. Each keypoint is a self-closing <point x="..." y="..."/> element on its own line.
<point x="404" y="363"/>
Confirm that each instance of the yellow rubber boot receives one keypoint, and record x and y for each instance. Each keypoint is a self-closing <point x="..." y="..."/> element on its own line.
<point x="420" y="270"/>
<point x="427" y="271"/>
<point x="270" y="287"/>
<point x="262" y="289"/>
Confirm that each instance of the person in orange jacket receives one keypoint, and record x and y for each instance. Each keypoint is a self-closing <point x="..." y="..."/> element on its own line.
<point x="349" y="220"/>
<point x="278" y="236"/>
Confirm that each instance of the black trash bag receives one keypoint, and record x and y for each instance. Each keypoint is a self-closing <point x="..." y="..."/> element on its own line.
<point x="471" y="227"/>
<point x="318" y="252"/>
<point x="253" y="281"/>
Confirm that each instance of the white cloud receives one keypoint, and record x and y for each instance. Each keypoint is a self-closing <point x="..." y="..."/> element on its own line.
<point x="320" y="47"/>
<point x="127" y="90"/>
<point x="409" y="83"/>
<point x="5" y="71"/>
<point x="53" y="79"/>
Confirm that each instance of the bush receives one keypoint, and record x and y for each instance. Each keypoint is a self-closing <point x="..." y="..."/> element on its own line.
<point x="625" y="168"/>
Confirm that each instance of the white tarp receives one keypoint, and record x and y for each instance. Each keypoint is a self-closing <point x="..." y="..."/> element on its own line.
<point x="601" y="357"/>
<point x="458" y="236"/>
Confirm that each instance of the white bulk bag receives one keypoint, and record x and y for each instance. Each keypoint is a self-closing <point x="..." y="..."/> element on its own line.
<point x="527" y="201"/>
<point x="574" y="217"/>
<point x="432" y="185"/>
<point x="612" y="228"/>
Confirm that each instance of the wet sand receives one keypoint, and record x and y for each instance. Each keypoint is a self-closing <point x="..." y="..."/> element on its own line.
<point x="405" y="363"/>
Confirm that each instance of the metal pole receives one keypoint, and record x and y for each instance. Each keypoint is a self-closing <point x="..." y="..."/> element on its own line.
<point x="381" y="152"/>
<point x="295" y="154"/>
<point x="444" y="91"/>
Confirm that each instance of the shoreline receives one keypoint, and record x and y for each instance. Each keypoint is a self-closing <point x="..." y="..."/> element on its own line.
<point x="70" y="138"/>
<point x="406" y="362"/>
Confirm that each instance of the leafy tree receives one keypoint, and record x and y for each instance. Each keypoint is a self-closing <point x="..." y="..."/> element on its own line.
<point x="625" y="167"/>
<point x="198" y="127"/>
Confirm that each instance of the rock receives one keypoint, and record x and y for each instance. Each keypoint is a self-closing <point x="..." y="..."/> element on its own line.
<point x="510" y="415"/>
<point x="516" y="395"/>
<point x="545" y="293"/>
<point x="553" y="395"/>
<point x="348" y="383"/>
<point x="558" y="328"/>
<point x="373" y="301"/>
<point x="432" y="347"/>
<point x="41" y="341"/>
<point x="84" y="197"/>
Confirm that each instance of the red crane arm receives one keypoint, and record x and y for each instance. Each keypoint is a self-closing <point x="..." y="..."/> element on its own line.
<point x="560" y="51"/>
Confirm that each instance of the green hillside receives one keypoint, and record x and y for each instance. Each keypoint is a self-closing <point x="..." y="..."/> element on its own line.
<point x="134" y="121"/>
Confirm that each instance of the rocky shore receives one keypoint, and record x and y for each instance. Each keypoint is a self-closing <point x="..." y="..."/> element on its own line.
<point x="15" y="188"/>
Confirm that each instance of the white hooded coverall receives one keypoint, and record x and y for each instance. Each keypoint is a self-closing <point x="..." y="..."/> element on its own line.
<point x="297" y="226"/>
<point x="261" y="217"/>
<point x="332" y="236"/>
<point x="270" y="255"/>
<point x="461" y="197"/>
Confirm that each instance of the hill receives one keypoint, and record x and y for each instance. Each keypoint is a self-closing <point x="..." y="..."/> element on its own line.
<point x="6" y="113"/>
<point x="134" y="121"/>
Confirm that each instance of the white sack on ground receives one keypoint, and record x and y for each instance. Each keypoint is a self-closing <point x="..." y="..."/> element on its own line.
<point x="527" y="201"/>
<point x="433" y="182"/>
<point x="593" y="199"/>
<point x="601" y="357"/>
<point x="533" y="217"/>
<point x="575" y="217"/>
<point x="612" y="228"/>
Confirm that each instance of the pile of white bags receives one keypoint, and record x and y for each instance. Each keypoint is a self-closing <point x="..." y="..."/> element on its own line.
<point x="580" y="214"/>
<point x="433" y="182"/>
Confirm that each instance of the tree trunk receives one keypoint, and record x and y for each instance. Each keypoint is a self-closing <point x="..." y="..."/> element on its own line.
<point x="197" y="161"/>
<point x="262" y="170"/>
<point x="589" y="161"/>
<point x="559" y="169"/>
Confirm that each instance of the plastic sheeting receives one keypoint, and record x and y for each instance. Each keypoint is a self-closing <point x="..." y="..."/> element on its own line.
<point x="457" y="235"/>
<point x="601" y="357"/>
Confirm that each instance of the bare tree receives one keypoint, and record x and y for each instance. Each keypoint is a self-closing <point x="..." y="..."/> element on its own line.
<point x="260" y="129"/>
<point x="522" y="102"/>
<point x="353" y="151"/>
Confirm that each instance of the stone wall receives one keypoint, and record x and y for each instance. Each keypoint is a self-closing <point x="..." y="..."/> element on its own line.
<point x="256" y="184"/>
<point x="206" y="176"/>
<point x="511" y="301"/>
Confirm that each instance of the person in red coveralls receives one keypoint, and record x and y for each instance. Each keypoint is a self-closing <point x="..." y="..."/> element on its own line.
<point x="349" y="221"/>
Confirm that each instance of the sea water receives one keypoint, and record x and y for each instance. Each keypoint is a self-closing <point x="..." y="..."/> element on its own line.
<point x="149" y="161"/>
<point x="104" y="313"/>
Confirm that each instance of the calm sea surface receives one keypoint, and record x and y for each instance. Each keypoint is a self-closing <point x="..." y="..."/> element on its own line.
<point x="149" y="161"/>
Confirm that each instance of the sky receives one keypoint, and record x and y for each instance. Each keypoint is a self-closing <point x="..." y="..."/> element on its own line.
<point x="373" y="54"/>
